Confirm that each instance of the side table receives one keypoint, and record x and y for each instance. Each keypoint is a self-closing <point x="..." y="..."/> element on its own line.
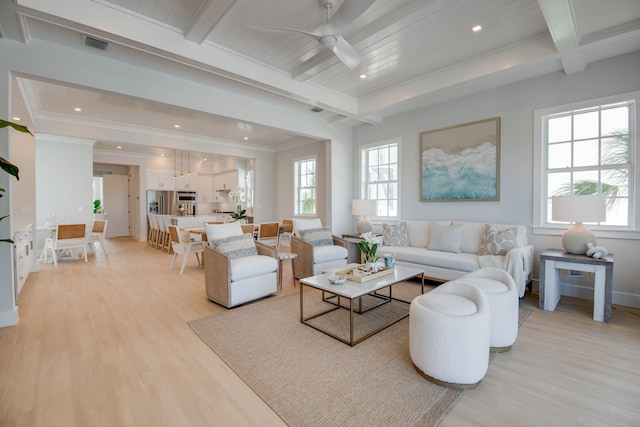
<point x="283" y="256"/>
<point x="554" y="260"/>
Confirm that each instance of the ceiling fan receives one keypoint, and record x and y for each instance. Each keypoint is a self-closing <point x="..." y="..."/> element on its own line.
<point x="329" y="34"/>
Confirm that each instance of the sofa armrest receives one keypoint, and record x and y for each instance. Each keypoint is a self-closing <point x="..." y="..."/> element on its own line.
<point x="265" y="250"/>
<point x="339" y="241"/>
<point x="217" y="275"/>
<point x="303" y="263"/>
<point x="519" y="265"/>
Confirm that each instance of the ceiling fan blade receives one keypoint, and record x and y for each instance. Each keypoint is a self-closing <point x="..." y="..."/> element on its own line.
<point x="348" y="12"/>
<point x="346" y="53"/>
<point x="267" y="29"/>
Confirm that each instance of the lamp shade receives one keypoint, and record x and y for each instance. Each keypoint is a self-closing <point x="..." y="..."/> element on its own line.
<point x="363" y="207"/>
<point x="578" y="209"/>
<point x="591" y="208"/>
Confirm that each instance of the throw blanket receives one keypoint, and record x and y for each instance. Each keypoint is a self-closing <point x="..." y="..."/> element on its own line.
<point x="515" y="263"/>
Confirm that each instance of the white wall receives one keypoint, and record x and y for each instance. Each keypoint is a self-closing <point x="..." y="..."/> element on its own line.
<point x="515" y="104"/>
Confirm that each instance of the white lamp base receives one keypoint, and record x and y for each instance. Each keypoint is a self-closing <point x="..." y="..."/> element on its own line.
<point x="576" y="238"/>
<point x="364" y="226"/>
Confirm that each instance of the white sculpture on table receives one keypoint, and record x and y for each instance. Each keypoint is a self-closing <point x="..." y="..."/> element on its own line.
<point x="596" y="252"/>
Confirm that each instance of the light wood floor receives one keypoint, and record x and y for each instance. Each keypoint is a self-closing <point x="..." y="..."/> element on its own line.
<point x="107" y="343"/>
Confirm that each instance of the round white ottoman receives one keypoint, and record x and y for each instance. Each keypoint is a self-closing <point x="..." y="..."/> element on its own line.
<point x="449" y="335"/>
<point x="502" y="295"/>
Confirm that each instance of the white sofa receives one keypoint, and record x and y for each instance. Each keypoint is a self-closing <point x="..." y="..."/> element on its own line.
<point x="464" y="255"/>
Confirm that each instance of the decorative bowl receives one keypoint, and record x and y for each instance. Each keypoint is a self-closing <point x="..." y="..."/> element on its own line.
<point x="337" y="279"/>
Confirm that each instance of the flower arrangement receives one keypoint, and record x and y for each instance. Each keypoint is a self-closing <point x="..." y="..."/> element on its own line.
<point x="368" y="246"/>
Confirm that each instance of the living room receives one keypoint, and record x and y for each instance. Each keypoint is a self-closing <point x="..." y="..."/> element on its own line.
<point x="338" y="148"/>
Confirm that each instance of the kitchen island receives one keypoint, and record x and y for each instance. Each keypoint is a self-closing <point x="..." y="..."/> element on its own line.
<point x="194" y="221"/>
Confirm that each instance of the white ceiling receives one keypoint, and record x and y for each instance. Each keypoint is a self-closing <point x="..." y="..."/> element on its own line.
<point x="414" y="52"/>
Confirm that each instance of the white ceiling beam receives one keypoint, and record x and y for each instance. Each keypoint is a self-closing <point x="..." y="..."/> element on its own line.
<point x="537" y="52"/>
<point x="206" y="19"/>
<point x="141" y="34"/>
<point x="562" y="25"/>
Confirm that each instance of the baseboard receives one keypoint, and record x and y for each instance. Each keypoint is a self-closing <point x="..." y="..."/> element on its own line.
<point x="9" y="318"/>
<point x="585" y="292"/>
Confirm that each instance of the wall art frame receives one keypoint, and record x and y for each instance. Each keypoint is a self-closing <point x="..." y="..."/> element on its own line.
<point x="461" y="163"/>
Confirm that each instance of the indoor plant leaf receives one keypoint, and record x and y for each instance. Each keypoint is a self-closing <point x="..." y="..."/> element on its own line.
<point x="19" y="128"/>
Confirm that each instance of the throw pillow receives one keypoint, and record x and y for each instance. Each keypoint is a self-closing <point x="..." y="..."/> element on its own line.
<point x="496" y="242"/>
<point x="305" y="224"/>
<point x="445" y="238"/>
<point x="236" y="246"/>
<point x="395" y="235"/>
<point x="220" y="231"/>
<point x="317" y="236"/>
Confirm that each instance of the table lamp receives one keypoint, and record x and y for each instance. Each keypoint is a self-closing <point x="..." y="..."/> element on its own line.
<point x="363" y="207"/>
<point x="578" y="209"/>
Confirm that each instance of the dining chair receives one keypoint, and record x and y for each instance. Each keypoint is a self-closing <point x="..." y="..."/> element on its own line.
<point x="268" y="233"/>
<point x="97" y="233"/>
<point x="165" y="221"/>
<point x="183" y="247"/>
<point x="287" y="230"/>
<point x="248" y="229"/>
<point x="68" y="237"/>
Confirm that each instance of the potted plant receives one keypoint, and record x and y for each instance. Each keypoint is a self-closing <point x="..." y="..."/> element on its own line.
<point x="97" y="206"/>
<point x="9" y="167"/>
<point x="240" y="214"/>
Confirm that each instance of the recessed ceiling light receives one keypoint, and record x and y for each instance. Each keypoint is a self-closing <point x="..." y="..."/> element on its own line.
<point x="204" y="160"/>
<point x="119" y="147"/>
<point x="363" y="76"/>
<point x="77" y="109"/>
<point x="176" y="126"/>
<point x="476" y="28"/>
<point x="161" y="154"/>
<point x="246" y="138"/>
<point x="17" y="119"/>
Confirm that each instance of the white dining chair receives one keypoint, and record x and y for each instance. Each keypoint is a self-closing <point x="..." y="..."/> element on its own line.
<point x="97" y="233"/>
<point x="68" y="237"/>
<point x="183" y="247"/>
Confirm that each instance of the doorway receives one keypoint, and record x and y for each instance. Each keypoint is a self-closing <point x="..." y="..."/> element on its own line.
<point x="116" y="205"/>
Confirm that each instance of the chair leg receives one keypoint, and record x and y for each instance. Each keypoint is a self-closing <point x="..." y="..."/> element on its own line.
<point x="198" y="258"/>
<point x="173" y="260"/>
<point x="184" y="262"/>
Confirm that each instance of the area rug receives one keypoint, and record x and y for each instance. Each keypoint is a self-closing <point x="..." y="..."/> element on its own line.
<point x="311" y="379"/>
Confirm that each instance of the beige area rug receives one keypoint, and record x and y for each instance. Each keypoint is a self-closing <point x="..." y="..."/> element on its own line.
<point x="311" y="379"/>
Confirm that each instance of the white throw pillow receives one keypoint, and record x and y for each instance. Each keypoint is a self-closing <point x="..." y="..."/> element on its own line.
<point x="236" y="246"/>
<point x="305" y="224"/>
<point x="445" y="238"/>
<point x="220" y="231"/>
<point x="496" y="242"/>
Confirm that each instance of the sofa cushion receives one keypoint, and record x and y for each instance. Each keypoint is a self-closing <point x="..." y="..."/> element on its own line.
<point x="421" y="256"/>
<point x="446" y="238"/>
<point x="395" y="235"/>
<point x="317" y="236"/>
<point x="304" y="224"/>
<point x="329" y="253"/>
<point x="252" y="266"/>
<point x="220" y="231"/>
<point x="471" y="237"/>
<point x="496" y="242"/>
<point x="236" y="246"/>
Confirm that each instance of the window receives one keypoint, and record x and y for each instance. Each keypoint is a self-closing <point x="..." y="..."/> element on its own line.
<point x="379" y="176"/>
<point x="587" y="149"/>
<point x="305" y="180"/>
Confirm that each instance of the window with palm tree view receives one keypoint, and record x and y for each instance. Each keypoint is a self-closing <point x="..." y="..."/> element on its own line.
<point x="588" y="151"/>
<point x="305" y="187"/>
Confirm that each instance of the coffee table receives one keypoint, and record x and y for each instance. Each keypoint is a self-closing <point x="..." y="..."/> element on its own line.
<point x="353" y="292"/>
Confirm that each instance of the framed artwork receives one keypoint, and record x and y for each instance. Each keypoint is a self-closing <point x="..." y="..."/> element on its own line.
<point x="461" y="163"/>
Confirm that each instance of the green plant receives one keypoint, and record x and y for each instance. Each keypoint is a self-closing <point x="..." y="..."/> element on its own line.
<point x="239" y="213"/>
<point x="368" y="246"/>
<point x="9" y="167"/>
<point x="97" y="205"/>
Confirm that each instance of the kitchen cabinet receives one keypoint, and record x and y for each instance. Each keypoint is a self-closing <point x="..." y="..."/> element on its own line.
<point x="205" y="188"/>
<point x="187" y="183"/>
<point x="23" y="258"/>
<point x="160" y="180"/>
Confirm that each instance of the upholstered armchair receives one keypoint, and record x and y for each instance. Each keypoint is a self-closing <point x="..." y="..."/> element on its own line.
<point x="318" y="250"/>
<point x="237" y="269"/>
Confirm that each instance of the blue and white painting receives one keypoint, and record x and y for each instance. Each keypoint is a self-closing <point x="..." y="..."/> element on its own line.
<point x="461" y="168"/>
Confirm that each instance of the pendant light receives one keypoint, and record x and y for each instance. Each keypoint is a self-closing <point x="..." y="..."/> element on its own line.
<point x="188" y="163"/>
<point x="175" y="164"/>
<point x="181" y="170"/>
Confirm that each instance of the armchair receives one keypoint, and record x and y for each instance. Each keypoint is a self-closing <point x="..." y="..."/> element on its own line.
<point x="236" y="268"/>
<point x="318" y="250"/>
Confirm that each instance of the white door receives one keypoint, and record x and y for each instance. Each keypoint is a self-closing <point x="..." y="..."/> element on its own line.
<point x="116" y="204"/>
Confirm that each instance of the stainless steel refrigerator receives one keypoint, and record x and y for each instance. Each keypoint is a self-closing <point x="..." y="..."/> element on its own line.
<point x="162" y="202"/>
